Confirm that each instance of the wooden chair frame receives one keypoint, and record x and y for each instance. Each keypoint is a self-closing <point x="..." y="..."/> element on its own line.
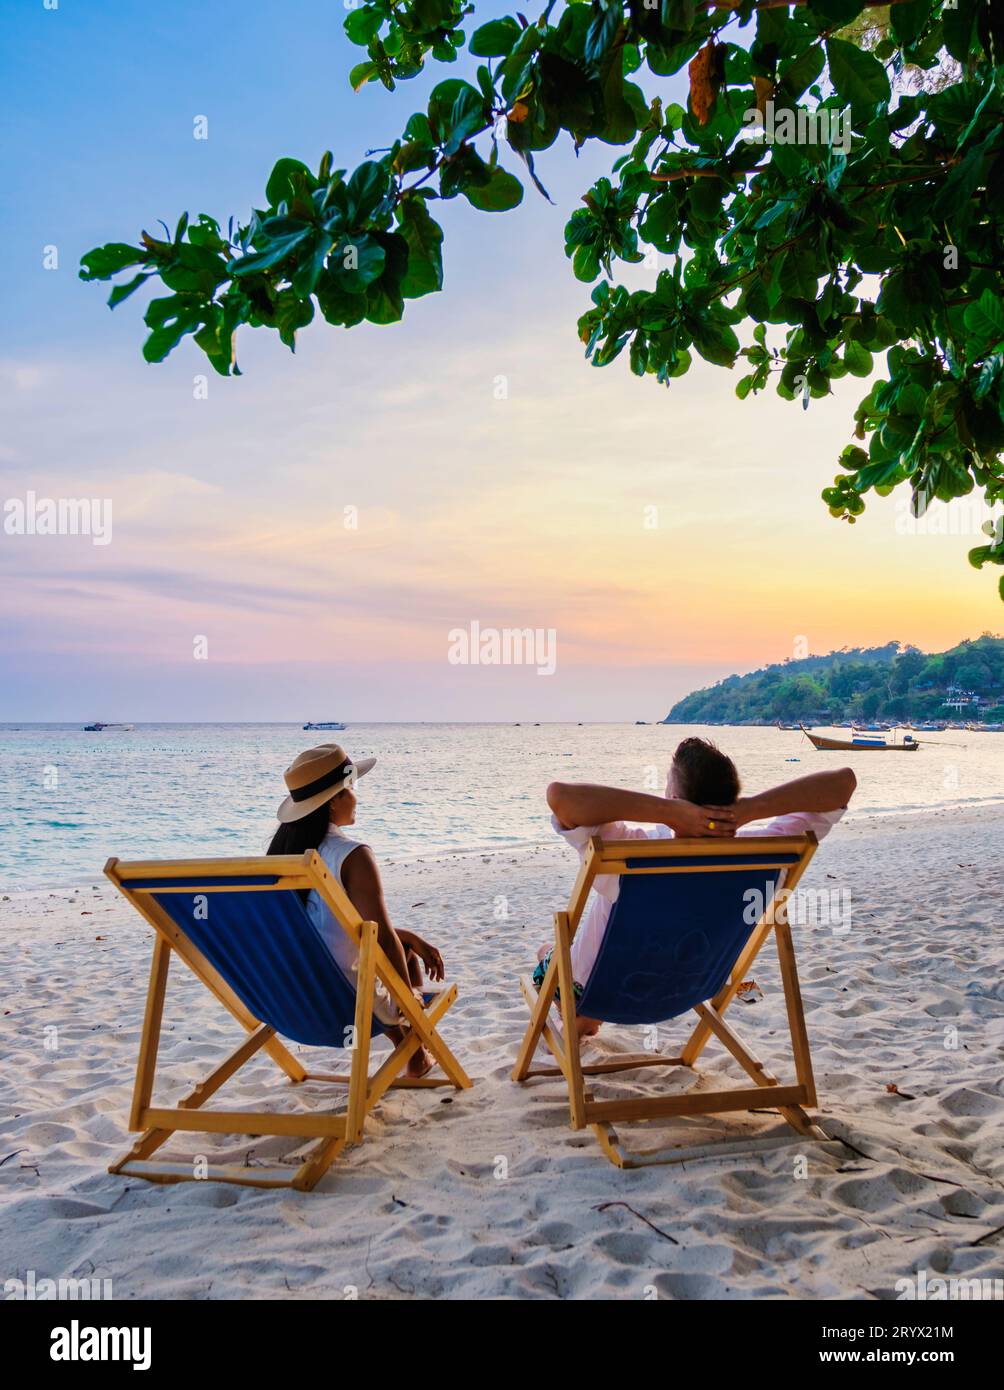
<point x="334" y="1132"/>
<point x="610" y="857"/>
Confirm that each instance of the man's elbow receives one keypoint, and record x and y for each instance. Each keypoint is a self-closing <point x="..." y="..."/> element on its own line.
<point x="849" y="783"/>
<point x="559" y="800"/>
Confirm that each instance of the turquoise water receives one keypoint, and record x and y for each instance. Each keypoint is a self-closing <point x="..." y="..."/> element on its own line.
<point x="69" y="799"/>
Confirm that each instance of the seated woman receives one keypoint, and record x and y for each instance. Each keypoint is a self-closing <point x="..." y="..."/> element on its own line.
<point x="702" y="800"/>
<point x="321" y="801"/>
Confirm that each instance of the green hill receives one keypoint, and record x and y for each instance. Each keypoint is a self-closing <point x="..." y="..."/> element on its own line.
<point x="890" y="682"/>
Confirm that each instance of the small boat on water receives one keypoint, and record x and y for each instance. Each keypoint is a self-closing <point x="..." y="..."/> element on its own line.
<point x="984" y="728"/>
<point x="97" y="728"/>
<point x="329" y="724"/>
<point x="860" y="744"/>
<point x="788" y="728"/>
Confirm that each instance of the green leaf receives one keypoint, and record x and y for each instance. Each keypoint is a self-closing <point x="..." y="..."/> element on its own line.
<point x="878" y="474"/>
<point x="985" y="318"/>
<point x="801" y="72"/>
<point x="170" y="319"/>
<point x="501" y="193"/>
<point x="105" y="261"/>
<point x="279" y="188"/>
<point x="586" y="263"/>
<point x="337" y="304"/>
<point x="425" y="240"/>
<point x="853" y="458"/>
<point x="362" y="25"/>
<point x="859" y="79"/>
<point x="456" y="110"/>
<point x="857" y="359"/>
<point x="958" y="22"/>
<point x="607" y="17"/>
<point x="908" y="20"/>
<point x="715" y="341"/>
<point x="496" y="39"/>
<point x="366" y="189"/>
<point x="311" y="263"/>
<point x="356" y="262"/>
<point x="467" y="116"/>
<point x="291" y="313"/>
<point x="275" y="252"/>
<point x="121" y="292"/>
<point x="835" y="13"/>
<point x="194" y="270"/>
<point x="361" y="74"/>
<point x="216" y="339"/>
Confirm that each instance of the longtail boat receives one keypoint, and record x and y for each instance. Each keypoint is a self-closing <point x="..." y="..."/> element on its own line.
<point x="860" y="745"/>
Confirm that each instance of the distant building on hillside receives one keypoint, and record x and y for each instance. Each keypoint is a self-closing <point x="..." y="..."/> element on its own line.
<point x="958" y="698"/>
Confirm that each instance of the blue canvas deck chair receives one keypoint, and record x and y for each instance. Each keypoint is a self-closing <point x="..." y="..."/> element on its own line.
<point x="690" y="918"/>
<point x="241" y="926"/>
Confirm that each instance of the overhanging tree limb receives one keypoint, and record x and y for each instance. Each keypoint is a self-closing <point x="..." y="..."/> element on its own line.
<point x="876" y="231"/>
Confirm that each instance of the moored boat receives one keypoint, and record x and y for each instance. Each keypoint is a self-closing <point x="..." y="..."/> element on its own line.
<point x="328" y="724"/>
<point x="860" y="745"/>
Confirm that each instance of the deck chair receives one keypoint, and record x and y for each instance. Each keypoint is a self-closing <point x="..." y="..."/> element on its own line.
<point x="689" y="921"/>
<point x="242" y="927"/>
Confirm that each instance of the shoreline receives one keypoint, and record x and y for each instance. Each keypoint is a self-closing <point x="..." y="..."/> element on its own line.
<point x="856" y="819"/>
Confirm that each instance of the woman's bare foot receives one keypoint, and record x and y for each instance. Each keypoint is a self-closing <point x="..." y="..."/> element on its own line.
<point x="587" y="1027"/>
<point x="421" y="1063"/>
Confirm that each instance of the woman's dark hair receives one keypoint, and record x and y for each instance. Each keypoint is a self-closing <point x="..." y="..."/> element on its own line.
<point x="704" y="774"/>
<point x="297" y="836"/>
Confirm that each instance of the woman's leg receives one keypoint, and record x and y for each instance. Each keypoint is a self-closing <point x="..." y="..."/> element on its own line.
<point x="422" y="1060"/>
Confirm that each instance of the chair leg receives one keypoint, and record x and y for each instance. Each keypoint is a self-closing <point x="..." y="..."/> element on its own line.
<point x="538" y="1021"/>
<point x="796" y="1012"/>
<point x="150" y="1038"/>
<point x="566" y="983"/>
<point x="365" y="979"/>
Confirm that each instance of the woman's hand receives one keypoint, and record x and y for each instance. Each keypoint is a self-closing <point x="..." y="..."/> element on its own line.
<point x="428" y="955"/>
<point x="701" y="822"/>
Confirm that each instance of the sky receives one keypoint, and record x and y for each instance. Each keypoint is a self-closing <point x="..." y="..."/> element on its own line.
<point x="302" y="542"/>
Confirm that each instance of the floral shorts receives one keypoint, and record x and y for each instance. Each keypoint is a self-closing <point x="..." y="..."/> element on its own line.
<point x="541" y="971"/>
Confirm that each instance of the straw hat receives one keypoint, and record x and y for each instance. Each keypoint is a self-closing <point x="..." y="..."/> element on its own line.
<point x="314" y="777"/>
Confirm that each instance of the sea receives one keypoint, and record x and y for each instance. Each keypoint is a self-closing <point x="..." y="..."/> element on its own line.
<point x="70" y="799"/>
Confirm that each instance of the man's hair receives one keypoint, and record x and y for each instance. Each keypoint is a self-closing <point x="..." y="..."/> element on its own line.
<point x="704" y="774"/>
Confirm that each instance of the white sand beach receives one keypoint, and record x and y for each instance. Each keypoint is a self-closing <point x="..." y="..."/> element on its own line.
<point x="488" y="1193"/>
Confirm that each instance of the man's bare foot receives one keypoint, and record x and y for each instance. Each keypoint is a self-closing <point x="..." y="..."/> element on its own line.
<point x="421" y="1063"/>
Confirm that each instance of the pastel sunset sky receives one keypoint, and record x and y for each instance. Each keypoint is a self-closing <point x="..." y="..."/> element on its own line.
<point x="525" y="511"/>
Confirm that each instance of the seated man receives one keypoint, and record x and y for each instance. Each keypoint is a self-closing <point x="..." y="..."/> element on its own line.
<point x="702" y="800"/>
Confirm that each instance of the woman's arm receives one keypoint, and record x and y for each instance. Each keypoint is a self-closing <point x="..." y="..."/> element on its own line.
<point x="586" y="803"/>
<point x="820" y="791"/>
<point x="361" y="881"/>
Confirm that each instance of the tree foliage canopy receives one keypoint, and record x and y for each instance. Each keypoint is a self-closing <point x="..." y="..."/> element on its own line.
<point x="889" y="682"/>
<point x="797" y="261"/>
